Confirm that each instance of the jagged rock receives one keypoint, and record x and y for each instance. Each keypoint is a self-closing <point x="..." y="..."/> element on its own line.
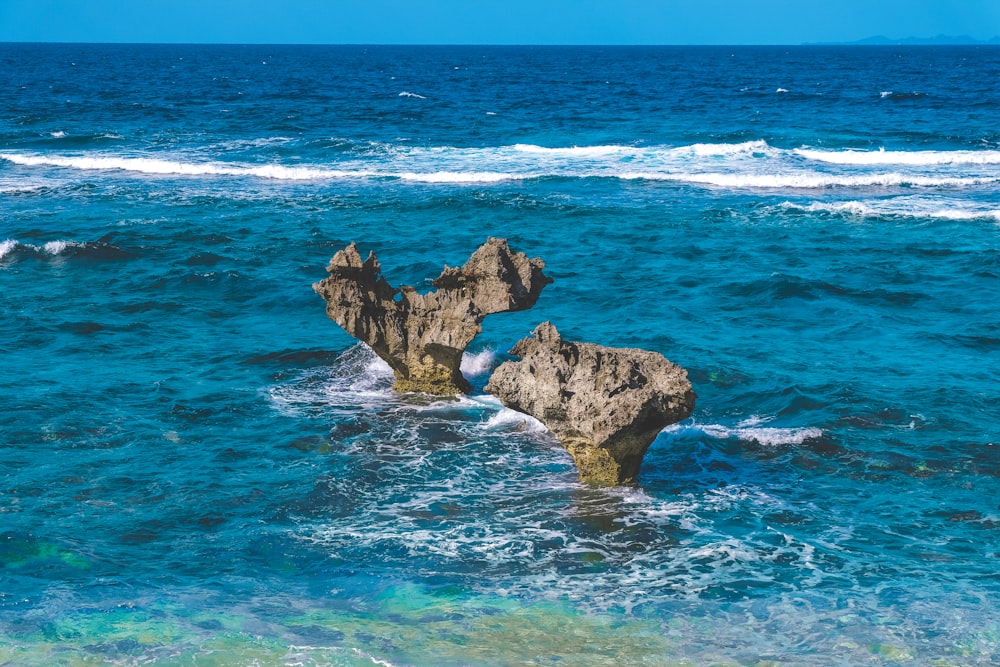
<point x="605" y="405"/>
<point x="422" y="336"/>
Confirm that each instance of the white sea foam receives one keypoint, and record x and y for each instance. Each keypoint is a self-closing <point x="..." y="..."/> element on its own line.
<point x="357" y="377"/>
<point x="456" y="177"/>
<point x="812" y="180"/>
<point x="742" y="165"/>
<point x="276" y="172"/>
<point x="375" y="661"/>
<point x="407" y="93"/>
<point x="506" y="419"/>
<point x="18" y="189"/>
<point x="744" y="148"/>
<point x="575" y="151"/>
<point x="902" y="207"/>
<point x="6" y="247"/>
<point x="58" y="134"/>
<point x="752" y="429"/>
<point x="55" y="247"/>
<point x="914" y="158"/>
<point x="155" y="166"/>
<point x="171" y="167"/>
<point x="478" y="363"/>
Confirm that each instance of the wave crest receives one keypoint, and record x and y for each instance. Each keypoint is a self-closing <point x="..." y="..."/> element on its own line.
<point x="743" y="165"/>
<point x="752" y="429"/>
<point x="915" y="158"/>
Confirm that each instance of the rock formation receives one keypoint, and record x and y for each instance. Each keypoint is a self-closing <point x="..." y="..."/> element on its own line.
<point x="422" y="336"/>
<point x="605" y="405"/>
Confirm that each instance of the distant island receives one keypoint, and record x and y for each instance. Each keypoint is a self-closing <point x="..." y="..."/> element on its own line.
<point x="939" y="40"/>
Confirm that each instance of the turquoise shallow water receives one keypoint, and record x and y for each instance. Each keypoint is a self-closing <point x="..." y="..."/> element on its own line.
<point x="198" y="467"/>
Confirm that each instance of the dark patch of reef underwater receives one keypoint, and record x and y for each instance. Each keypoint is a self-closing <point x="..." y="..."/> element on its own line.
<point x="605" y="405"/>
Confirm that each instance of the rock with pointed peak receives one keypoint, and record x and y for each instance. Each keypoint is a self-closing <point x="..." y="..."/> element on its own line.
<point x="605" y="405"/>
<point x="422" y="336"/>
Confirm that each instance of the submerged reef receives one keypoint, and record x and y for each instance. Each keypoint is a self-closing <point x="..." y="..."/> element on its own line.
<point x="422" y="336"/>
<point x="605" y="405"/>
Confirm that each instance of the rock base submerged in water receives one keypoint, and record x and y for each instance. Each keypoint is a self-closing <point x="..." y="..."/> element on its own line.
<point x="605" y="405"/>
<point x="422" y="336"/>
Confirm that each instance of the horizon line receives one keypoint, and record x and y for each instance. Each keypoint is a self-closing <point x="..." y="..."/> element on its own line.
<point x="854" y="43"/>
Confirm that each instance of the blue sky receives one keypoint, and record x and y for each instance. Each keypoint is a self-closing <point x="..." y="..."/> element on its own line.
<point x="493" y="21"/>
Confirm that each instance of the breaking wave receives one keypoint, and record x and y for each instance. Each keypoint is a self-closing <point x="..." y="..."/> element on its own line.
<point x="814" y="181"/>
<point x="917" y="158"/>
<point x="743" y="165"/>
<point x="6" y="247"/>
<point x="752" y="429"/>
<point x="479" y="363"/>
<point x="897" y="208"/>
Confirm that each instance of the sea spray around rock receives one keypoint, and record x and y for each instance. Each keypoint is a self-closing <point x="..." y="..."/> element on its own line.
<point x="422" y="336"/>
<point x="605" y="405"/>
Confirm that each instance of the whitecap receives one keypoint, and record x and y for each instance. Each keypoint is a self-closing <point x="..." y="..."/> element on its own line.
<point x="6" y="247"/>
<point x="724" y="150"/>
<point x="781" y="90"/>
<point x="511" y="420"/>
<point x="171" y="167"/>
<point x="55" y="247"/>
<point x="407" y="93"/>
<point x="751" y="429"/>
<point x="811" y="180"/>
<point x="457" y="177"/>
<point x="575" y="151"/>
<point x="358" y="377"/>
<point x="58" y="134"/>
<point x="900" y="207"/>
<point x="271" y="171"/>
<point x="913" y="158"/>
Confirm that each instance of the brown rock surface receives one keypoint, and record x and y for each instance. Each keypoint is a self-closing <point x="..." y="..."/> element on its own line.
<point x="605" y="405"/>
<point x="422" y="336"/>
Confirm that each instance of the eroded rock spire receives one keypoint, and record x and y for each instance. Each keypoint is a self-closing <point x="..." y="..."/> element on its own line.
<point x="422" y="336"/>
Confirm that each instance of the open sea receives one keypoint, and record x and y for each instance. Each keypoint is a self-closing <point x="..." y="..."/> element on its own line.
<point x="197" y="467"/>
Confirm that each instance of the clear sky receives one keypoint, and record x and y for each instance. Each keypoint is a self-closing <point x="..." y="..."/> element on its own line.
<point x="493" y="21"/>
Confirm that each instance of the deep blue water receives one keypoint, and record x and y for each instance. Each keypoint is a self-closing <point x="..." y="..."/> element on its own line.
<point x="198" y="467"/>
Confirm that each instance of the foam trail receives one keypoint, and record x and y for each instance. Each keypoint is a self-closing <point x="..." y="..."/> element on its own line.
<point x="896" y="209"/>
<point x="723" y="150"/>
<point x="575" y="151"/>
<point x="6" y="247"/>
<point x="407" y="93"/>
<point x="812" y="180"/>
<point x="170" y="167"/>
<point x="457" y="177"/>
<point x="913" y="158"/>
<point x="749" y="430"/>
<point x="276" y="172"/>
<point x="751" y="164"/>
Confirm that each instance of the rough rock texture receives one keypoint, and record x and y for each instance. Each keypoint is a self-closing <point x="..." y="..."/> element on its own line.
<point x="605" y="405"/>
<point x="422" y="336"/>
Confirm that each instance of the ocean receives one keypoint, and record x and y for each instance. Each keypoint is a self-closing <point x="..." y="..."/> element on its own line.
<point x="198" y="467"/>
